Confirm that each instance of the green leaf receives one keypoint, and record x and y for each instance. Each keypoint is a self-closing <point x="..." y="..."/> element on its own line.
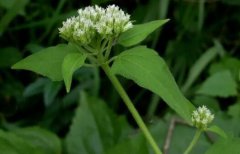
<point x="234" y="110"/>
<point x="6" y="148"/>
<point x="148" y="70"/>
<point x="229" y="124"/>
<point x="40" y="139"/>
<point x="12" y="144"/>
<point x="32" y="140"/>
<point x="139" y="32"/>
<point x="94" y="129"/>
<point x="47" y="62"/>
<point x="70" y="64"/>
<point x="225" y="146"/>
<point x="226" y="63"/>
<point x="217" y="130"/>
<point x="219" y="84"/>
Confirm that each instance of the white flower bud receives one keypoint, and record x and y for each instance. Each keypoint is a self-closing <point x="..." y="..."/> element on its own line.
<point x="95" y="21"/>
<point x="202" y="117"/>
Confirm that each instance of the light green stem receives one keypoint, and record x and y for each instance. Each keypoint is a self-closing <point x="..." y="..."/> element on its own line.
<point x="131" y="107"/>
<point x="194" y="141"/>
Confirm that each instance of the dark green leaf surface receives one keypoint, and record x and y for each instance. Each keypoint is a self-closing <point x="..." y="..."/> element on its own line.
<point x="12" y="144"/>
<point x="94" y="129"/>
<point x="219" y="84"/>
<point x="217" y="130"/>
<point x="139" y="32"/>
<point x="32" y="140"/>
<point x="227" y="63"/>
<point x="47" y="62"/>
<point x="225" y="146"/>
<point x="145" y="67"/>
<point x="40" y="139"/>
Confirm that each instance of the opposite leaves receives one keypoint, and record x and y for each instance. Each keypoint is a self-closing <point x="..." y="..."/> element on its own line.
<point x="148" y="70"/>
<point x="57" y="63"/>
<point x="47" y="62"/>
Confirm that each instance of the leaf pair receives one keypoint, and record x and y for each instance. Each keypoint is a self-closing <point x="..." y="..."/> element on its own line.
<point x="61" y="61"/>
<point x="57" y="63"/>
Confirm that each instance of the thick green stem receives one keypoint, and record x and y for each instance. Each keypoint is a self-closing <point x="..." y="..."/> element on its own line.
<point x="194" y="141"/>
<point x="131" y="108"/>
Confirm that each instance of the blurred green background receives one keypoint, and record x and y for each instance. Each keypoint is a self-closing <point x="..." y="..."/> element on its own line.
<point x="200" y="43"/>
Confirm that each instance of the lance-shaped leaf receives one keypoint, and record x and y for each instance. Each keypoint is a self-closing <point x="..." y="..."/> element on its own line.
<point x="145" y="67"/>
<point x="139" y="32"/>
<point x="47" y="62"/>
<point x="71" y="63"/>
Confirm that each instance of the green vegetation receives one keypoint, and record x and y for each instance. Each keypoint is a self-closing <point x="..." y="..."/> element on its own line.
<point x="138" y="89"/>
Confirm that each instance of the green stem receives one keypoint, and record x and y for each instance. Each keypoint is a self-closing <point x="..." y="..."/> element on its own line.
<point x="107" y="54"/>
<point x="131" y="107"/>
<point x="194" y="141"/>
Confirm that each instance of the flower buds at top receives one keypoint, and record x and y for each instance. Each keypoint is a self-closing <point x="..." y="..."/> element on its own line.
<point x="95" y="22"/>
<point x="202" y="117"/>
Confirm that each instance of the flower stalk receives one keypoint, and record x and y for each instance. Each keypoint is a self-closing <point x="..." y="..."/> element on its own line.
<point x="194" y="141"/>
<point x="96" y="30"/>
<point x="201" y="118"/>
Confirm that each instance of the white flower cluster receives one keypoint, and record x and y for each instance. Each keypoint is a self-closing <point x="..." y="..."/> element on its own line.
<point x="93" y="22"/>
<point x="202" y="117"/>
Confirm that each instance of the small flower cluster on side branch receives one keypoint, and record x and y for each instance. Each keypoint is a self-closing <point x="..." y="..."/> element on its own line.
<point x="202" y="117"/>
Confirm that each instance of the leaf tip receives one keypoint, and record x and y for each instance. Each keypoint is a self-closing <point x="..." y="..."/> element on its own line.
<point x="166" y="20"/>
<point x="14" y="66"/>
<point x="68" y="87"/>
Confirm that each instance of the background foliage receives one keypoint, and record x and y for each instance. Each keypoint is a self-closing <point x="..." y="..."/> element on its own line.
<point x="200" y="44"/>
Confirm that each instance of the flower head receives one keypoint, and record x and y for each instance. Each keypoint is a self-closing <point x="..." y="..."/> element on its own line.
<point x="95" y="21"/>
<point x="202" y="117"/>
<point x="113" y="22"/>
